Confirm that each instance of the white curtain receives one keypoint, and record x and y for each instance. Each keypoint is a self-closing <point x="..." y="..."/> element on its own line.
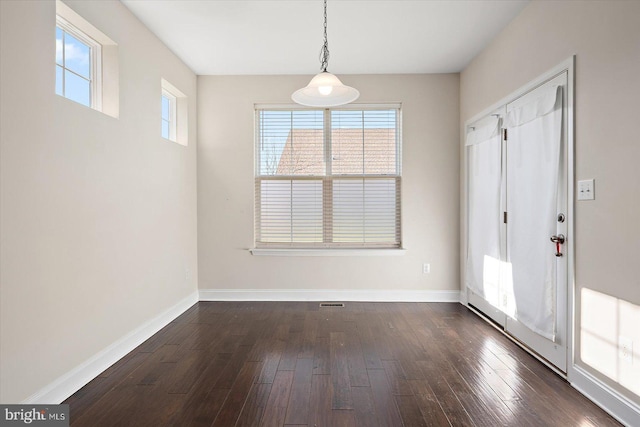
<point x="533" y="166"/>
<point x="483" y="249"/>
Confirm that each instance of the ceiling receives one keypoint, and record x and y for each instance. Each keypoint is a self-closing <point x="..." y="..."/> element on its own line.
<point x="365" y="37"/>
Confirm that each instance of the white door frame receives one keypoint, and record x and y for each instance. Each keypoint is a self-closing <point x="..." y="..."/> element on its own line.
<point x="569" y="66"/>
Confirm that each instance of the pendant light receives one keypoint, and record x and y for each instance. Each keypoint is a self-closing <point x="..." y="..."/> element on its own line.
<point x="325" y="89"/>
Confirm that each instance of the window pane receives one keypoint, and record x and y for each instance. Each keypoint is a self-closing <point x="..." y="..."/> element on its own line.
<point x="348" y="211"/>
<point x="306" y="211"/>
<point x="77" y="89"/>
<point x="275" y="211"/>
<point x="363" y="142"/>
<point x="59" y="36"/>
<point x="380" y="142"/>
<point x="165" y="129"/>
<point x="290" y="211"/>
<point x="59" y="83"/>
<point x="77" y="56"/>
<point x="291" y="143"/>
<point x="380" y="210"/>
<point x="165" y="107"/>
<point x="347" y="154"/>
<point x="347" y="150"/>
<point x="365" y="210"/>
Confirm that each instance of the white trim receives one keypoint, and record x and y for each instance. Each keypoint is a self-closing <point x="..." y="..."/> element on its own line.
<point x="617" y="405"/>
<point x="364" y="295"/>
<point x="326" y="252"/>
<point x="82" y="24"/>
<point x="571" y="231"/>
<point x="350" y="106"/>
<point x="67" y="384"/>
<point x="566" y="65"/>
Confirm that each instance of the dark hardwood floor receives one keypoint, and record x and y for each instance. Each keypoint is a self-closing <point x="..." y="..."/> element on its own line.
<point x="296" y="364"/>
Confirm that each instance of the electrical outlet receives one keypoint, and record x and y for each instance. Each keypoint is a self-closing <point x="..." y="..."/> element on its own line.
<point x="426" y="268"/>
<point x="626" y="349"/>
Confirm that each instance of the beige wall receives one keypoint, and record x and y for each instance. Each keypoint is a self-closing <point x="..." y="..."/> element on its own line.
<point x="429" y="194"/>
<point x="98" y="215"/>
<point x="605" y="37"/>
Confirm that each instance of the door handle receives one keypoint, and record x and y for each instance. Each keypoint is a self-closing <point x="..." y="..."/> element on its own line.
<point x="558" y="240"/>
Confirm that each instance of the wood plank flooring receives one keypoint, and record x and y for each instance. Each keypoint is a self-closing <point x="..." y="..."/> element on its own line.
<point x="296" y="364"/>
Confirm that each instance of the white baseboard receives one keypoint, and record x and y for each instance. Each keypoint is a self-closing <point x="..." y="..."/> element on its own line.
<point x="74" y="380"/>
<point x="368" y="295"/>
<point x="618" y="406"/>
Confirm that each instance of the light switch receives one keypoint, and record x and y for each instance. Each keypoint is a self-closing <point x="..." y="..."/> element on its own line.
<point x="586" y="190"/>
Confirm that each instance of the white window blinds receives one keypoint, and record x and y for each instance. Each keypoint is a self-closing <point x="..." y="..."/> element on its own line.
<point x="328" y="178"/>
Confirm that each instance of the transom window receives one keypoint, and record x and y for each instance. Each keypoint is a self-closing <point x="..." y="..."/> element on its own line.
<point x="328" y="178"/>
<point x="77" y="57"/>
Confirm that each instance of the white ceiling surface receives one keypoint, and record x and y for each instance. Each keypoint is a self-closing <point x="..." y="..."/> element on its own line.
<point x="216" y="37"/>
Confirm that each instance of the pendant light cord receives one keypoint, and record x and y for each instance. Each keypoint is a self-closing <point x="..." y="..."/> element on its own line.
<point x="324" y="51"/>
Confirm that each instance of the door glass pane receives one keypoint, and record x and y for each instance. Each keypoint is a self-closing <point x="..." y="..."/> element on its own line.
<point x="484" y="260"/>
<point x="533" y="168"/>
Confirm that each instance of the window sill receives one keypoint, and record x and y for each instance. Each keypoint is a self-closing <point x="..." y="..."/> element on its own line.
<point x="327" y="252"/>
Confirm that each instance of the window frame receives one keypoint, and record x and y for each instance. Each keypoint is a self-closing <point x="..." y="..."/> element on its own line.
<point x="178" y="113"/>
<point x="173" y="115"/>
<point x="95" y="59"/>
<point x="326" y="247"/>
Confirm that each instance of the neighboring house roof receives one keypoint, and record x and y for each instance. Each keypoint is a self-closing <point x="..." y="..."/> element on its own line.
<point x="303" y="152"/>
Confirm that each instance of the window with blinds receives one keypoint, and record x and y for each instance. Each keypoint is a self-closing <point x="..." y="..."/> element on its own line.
<point x="328" y="178"/>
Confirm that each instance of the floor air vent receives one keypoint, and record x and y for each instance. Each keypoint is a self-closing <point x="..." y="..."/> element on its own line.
<point x="331" y="304"/>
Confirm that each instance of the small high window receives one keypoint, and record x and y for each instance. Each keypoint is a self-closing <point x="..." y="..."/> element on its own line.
<point x="173" y="113"/>
<point x="86" y="63"/>
<point x="168" y="116"/>
<point x="77" y="65"/>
